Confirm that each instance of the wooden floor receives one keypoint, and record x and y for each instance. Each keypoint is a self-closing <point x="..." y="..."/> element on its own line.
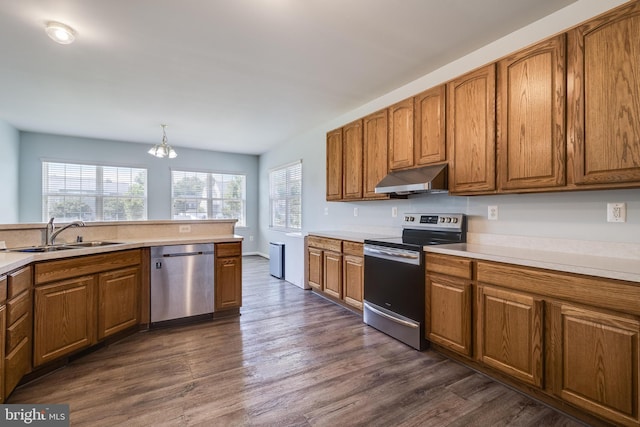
<point x="291" y="359"/>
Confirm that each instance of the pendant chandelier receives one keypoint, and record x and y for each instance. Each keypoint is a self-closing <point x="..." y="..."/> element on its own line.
<point x="163" y="150"/>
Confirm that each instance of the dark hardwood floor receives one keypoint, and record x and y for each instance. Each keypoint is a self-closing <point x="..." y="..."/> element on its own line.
<point x="291" y="359"/>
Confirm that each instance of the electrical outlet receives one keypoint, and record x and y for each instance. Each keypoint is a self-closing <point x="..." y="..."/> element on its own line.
<point x="355" y="211"/>
<point x="184" y="229"/>
<point x="492" y="213"/>
<point x="394" y="212"/>
<point x="326" y="211"/>
<point x="251" y="238"/>
<point x="616" y="212"/>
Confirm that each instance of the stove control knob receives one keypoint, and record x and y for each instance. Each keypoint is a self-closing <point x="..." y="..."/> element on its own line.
<point x="447" y="219"/>
<point x="454" y="220"/>
<point x="441" y="219"/>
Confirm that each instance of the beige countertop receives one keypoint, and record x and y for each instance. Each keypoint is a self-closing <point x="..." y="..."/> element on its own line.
<point x="353" y="236"/>
<point x="599" y="266"/>
<point x="13" y="260"/>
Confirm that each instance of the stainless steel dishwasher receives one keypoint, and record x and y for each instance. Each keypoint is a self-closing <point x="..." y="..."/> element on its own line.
<point x="181" y="282"/>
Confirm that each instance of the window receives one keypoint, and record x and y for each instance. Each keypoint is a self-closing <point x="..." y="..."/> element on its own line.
<point x="93" y="192"/>
<point x="285" y="197"/>
<point x="208" y="195"/>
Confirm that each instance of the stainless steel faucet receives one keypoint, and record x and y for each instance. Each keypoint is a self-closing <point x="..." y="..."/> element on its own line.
<point x="51" y="233"/>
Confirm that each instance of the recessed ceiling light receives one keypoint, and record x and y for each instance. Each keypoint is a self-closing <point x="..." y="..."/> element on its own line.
<point x="60" y="33"/>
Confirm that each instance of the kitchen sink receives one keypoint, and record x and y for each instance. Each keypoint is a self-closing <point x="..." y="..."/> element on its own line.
<point x="41" y="248"/>
<point x="95" y="244"/>
<point x="63" y="247"/>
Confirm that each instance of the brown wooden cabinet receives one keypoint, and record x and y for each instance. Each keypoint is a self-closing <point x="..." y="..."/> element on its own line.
<point x="401" y="135"/>
<point x="228" y="276"/>
<point x="19" y="321"/>
<point x="531" y="117"/>
<point x="352" y="161"/>
<point x="335" y="267"/>
<point x="471" y="136"/>
<point x="510" y="333"/>
<point x="604" y="94"/>
<point x="65" y="318"/>
<point x="429" y="126"/>
<point x="81" y="300"/>
<point x="334" y="165"/>
<point x="118" y="301"/>
<point x="596" y="356"/>
<point x="3" y="332"/>
<point x="375" y="134"/>
<point x="353" y="274"/>
<point x="448" y="319"/>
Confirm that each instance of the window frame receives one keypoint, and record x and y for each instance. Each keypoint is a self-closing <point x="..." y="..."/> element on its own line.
<point x="287" y="199"/>
<point x="209" y="200"/>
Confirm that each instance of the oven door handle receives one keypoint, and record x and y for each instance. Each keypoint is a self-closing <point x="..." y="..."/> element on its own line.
<point x="400" y="255"/>
<point x="393" y="319"/>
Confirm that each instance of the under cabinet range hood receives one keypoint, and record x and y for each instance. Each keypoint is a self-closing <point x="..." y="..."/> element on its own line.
<point x="426" y="179"/>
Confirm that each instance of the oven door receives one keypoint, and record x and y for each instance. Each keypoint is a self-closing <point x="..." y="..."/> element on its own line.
<point x="394" y="293"/>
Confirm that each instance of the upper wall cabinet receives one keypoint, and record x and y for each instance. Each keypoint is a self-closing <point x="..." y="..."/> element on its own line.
<point x="375" y="153"/>
<point x="334" y="165"/>
<point x="352" y="161"/>
<point x="604" y="98"/>
<point x="429" y="126"/>
<point x="401" y="135"/>
<point x="530" y="117"/>
<point x="471" y="136"/>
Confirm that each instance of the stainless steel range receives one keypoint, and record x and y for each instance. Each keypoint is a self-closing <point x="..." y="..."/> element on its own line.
<point x="394" y="274"/>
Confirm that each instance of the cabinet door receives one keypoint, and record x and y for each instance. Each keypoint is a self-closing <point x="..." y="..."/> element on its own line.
<point x="334" y="165"/>
<point x="64" y="318"/>
<point x="353" y="280"/>
<point x="604" y="98"/>
<point x="429" y="126"/>
<point x="352" y="161"/>
<point x="315" y="268"/>
<point x="595" y="359"/>
<point x="332" y="274"/>
<point x="375" y="152"/>
<point x="3" y="325"/>
<point x="448" y="317"/>
<point x="228" y="283"/>
<point x="471" y="136"/>
<point x="401" y="135"/>
<point x="118" y="302"/>
<point x="531" y="107"/>
<point x="509" y="333"/>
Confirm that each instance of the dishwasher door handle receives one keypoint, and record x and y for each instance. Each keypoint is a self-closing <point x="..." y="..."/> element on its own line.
<point x="179" y="254"/>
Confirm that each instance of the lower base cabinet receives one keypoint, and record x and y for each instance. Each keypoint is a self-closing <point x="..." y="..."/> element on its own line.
<point x="595" y="359"/>
<point x="571" y="340"/>
<point x="65" y="318"/>
<point x="336" y="268"/>
<point x="80" y="301"/>
<point x="228" y="276"/>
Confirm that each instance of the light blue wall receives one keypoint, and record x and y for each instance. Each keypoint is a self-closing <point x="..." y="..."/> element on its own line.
<point x="36" y="147"/>
<point x="9" y="147"/>
<point x="571" y="215"/>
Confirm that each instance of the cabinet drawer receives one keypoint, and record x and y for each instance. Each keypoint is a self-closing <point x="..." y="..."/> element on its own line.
<point x="3" y="289"/>
<point x="17" y="307"/>
<point x="18" y="281"/>
<point x="334" y="245"/>
<point x="449" y="265"/>
<point x="20" y="330"/>
<point x="352" y="248"/>
<point x="17" y="364"/>
<point x="228" y="249"/>
<point x="80" y="266"/>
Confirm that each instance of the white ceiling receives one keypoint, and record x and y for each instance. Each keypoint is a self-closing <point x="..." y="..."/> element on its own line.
<point x="228" y="75"/>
